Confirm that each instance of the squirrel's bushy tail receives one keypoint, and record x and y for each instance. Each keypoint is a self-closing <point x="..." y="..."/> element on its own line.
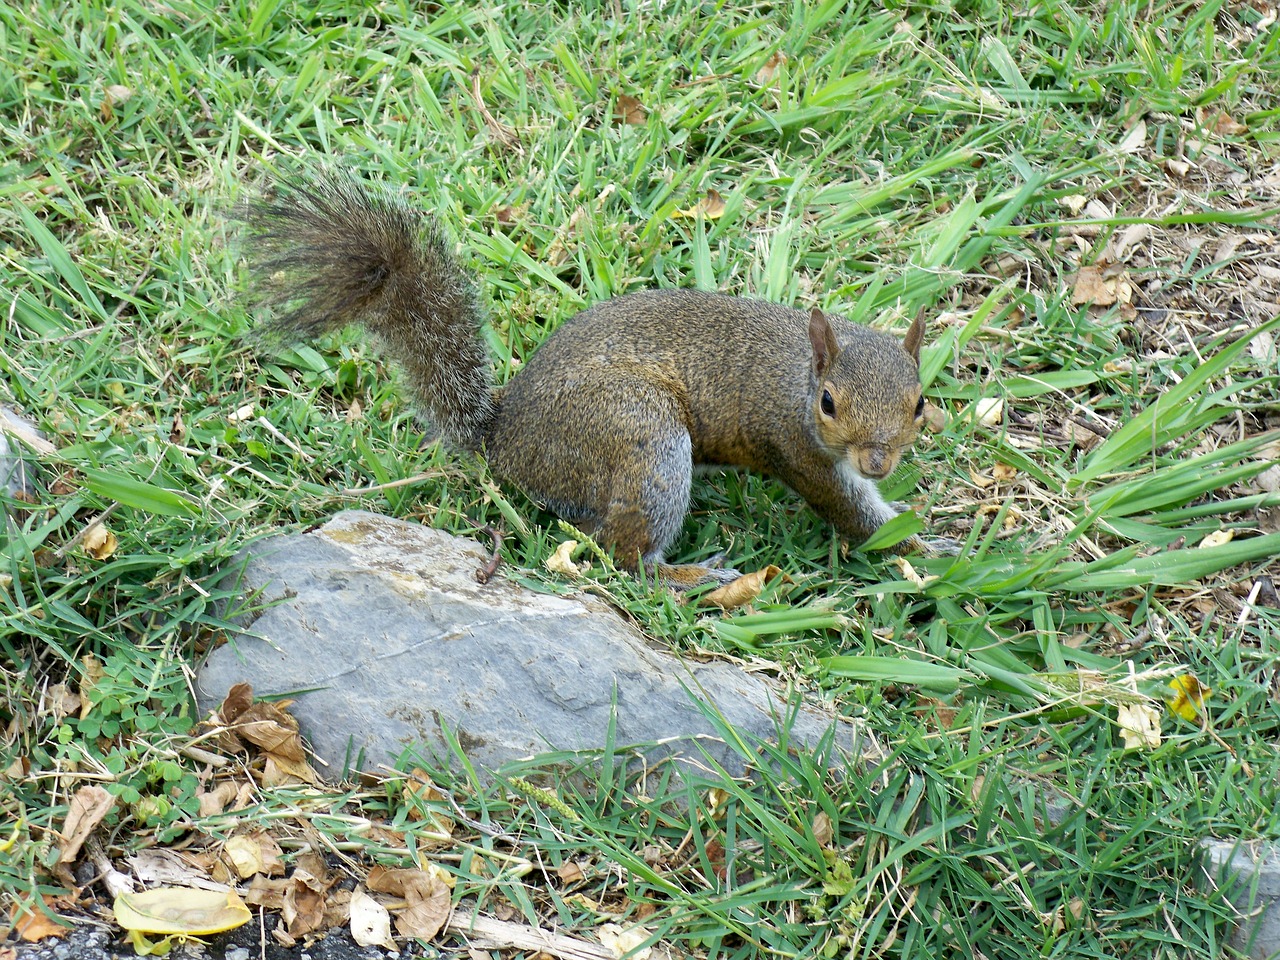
<point x="331" y="250"/>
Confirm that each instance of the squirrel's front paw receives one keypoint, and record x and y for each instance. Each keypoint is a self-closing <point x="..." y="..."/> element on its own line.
<point x="940" y="546"/>
<point x="928" y="546"/>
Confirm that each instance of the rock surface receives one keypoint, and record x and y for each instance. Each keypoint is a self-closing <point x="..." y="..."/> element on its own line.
<point x="381" y="633"/>
<point x="1251" y="875"/>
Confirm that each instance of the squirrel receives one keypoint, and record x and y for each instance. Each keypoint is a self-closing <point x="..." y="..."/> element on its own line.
<point x="604" y="424"/>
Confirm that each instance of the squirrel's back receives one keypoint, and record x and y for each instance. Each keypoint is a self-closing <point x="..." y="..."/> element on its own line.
<point x="715" y="353"/>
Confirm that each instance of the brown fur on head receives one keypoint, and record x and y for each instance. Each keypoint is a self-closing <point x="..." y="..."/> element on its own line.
<point x="867" y="405"/>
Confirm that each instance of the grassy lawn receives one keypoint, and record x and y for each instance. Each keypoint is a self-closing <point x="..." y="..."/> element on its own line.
<point x="1084" y="198"/>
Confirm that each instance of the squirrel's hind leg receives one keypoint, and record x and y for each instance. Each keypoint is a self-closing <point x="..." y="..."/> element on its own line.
<point x="632" y="468"/>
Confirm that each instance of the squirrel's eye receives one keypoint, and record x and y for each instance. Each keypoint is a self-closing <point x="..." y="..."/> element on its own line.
<point x="828" y="405"/>
<point x="920" y="407"/>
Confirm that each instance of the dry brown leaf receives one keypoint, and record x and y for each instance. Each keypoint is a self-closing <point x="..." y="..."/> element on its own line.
<point x="710" y="207"/>
<point x="253" y="853"/>
<point x="268" y="894"/>
<point x="823" y="829"/>
<point x="63" y="701"/>
<point x="99" y="543"/>
<point x="981" y="480"/>
<point x="1135" y="139"/>
<point x="1222" y="123"/>
<point x="1073" y="203"/>
<point x="91" y="674"/>
<point x="766" y="74"/>
<point x="1123" y="243"/>
<point x="87" y="808"/>
<point x="629" y="110"/>
<point x="34" y="926"/>
<point x="570" y="872"/>
<point x="239" y="698"/>
<point x="216" y="800"/>
<point x="625" y="941"/>
<point x="741" y="591"/>
<point x="1090" y="286"/>
<point x="1003" y="473"/>
<point x="303" y="905"/>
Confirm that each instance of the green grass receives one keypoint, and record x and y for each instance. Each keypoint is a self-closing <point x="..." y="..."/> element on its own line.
<point x="872" y="159"/>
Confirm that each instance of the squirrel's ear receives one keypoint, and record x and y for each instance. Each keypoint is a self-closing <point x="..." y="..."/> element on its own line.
<point x="915" y="336"/>
<point x="823" y="341"/>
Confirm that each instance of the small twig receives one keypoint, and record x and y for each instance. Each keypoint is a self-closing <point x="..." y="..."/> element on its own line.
<point x="271" y="428"/>
<point x="485" y="573"/>
<point x="500" y="132"/>
<point x="506" y="935"/>
<point x="378" y="487"/>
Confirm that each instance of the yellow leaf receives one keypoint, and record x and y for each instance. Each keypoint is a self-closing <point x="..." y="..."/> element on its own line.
<point x="742" y="591"/>
<point x="1189" y="695"/>
<point x="1217" y="538"/>
<point x="711" y="207"/>
<point x="180" y="910"/>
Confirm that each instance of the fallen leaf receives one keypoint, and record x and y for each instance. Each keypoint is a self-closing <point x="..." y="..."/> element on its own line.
<point x="1189" y="695"/>
<point x="765" y="75"/>
<point x="1135" y="139"/>
<point x="302" y="908"/>
<point x="34" y="925"/>
<point x="99" y="543"/>
<point x="710" y="207"/>
<point x="1222" y="123"/>
<point x="215" y="801"/>
<point x="426" y="895"/>
<point x="561" y="561"/>
<point x="241" y="414"/>
<point x="180" y="910"/>
<point x="1073" y="202"/>
<point x="625" y="942"/>
<point x="742" y="591"/>
<point x="629" y="110"/>
<point x="1003" y="472"/>
<point x="910" y="575"/>
<point x="1217" y="538"/>
<point x="370" y="922"/>
<point x="87" y="808"/>
<point x="1123" y="243"/>
<point x="1139" y="725"/>
<point x="989" y="411"/>
<point x="267" y="893"/>
<point x="1090" y="286"/>
<point x="570" y="872"/>
<point x="823" y="830"/>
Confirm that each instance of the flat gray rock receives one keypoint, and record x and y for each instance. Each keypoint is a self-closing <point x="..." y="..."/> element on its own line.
<point x="380" y="632"/>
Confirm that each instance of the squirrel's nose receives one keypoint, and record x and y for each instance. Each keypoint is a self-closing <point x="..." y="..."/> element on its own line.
<point x="875" y="463"/>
